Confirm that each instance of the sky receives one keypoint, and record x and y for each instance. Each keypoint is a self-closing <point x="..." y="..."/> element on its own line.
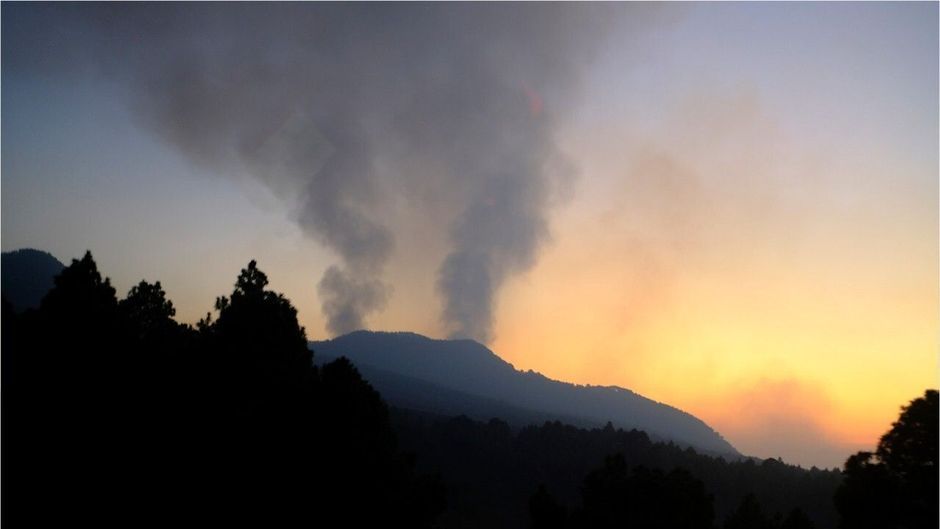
<point x="730" y="208"/>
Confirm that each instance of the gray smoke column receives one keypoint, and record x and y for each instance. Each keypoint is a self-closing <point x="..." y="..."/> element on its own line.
<point x="334" y="105"/>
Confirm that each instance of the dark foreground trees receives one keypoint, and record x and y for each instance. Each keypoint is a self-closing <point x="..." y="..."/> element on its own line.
<point x="615" y="496"/>
<point x="116" y="415"/>
<point x="897" y="485"/>
<point x="493" y="473"/>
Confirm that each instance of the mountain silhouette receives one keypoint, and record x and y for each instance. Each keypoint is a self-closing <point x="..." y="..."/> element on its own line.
<point x="27" y="275"/>
<point x="464" y="377"/>
<point x="445" y="377"/>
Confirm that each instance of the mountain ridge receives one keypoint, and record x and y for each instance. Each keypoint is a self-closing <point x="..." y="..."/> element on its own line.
<point x="450" y="377"/>
<point x="27" y="274"/>
<point x="471" y="368"/>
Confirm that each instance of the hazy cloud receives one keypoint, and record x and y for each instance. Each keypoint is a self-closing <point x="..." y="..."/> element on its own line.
<point x="783" y="418"/>
<point x="329" y="104"/>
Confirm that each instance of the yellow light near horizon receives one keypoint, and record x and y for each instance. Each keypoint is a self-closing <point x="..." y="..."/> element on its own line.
<point x="850" y="343"/>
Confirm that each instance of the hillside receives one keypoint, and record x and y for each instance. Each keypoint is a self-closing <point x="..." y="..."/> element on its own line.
<point x="485" y="380"/>
<point x="491" y="472"/>
<point x="27" y="275"/>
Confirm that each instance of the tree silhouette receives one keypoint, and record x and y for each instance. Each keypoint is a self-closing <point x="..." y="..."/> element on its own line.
<point x="897" y="485"/>
<point x="545" y="512"/>
<point x="797" y="519"/>
<point x="80" y="292"/>
<point x="909" y="451"/>
<point x="83" y="335"/>
<point x="749" y="515"/>
<point x="147" y="310"/>
<point x="259" y="327"/>
<point x="613" y="497"/>
<point x="492" y="470"/>
<point x="71" y="416"/>
<point x="311" y="442"/>
<point x="122" y="417"/>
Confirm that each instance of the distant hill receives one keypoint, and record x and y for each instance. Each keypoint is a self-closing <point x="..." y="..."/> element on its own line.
<point x="464" y="377"/>
<point x="409" y="393"/>
<point x="27" y="275"/>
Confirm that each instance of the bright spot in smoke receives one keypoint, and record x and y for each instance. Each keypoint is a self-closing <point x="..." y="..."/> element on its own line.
<point x="535" y="100"/>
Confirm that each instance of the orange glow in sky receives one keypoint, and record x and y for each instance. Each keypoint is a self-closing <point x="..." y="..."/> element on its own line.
<point x="787" y="320"/>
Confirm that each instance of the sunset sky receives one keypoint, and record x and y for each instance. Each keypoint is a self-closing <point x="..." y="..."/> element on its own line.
<point x="743" y="223"/>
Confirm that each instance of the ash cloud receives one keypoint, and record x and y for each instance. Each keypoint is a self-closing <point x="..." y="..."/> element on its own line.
<point x="333" y="105"/>
<point x="347" y="298"/>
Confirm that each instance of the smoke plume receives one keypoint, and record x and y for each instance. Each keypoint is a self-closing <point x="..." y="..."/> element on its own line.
<point x="331" y="106"/>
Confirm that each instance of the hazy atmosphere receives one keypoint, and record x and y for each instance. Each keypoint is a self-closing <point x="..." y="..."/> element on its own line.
<point x="729" y="208"/>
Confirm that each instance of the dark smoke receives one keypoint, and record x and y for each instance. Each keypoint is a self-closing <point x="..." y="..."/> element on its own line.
<point x="327" y="104"/>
